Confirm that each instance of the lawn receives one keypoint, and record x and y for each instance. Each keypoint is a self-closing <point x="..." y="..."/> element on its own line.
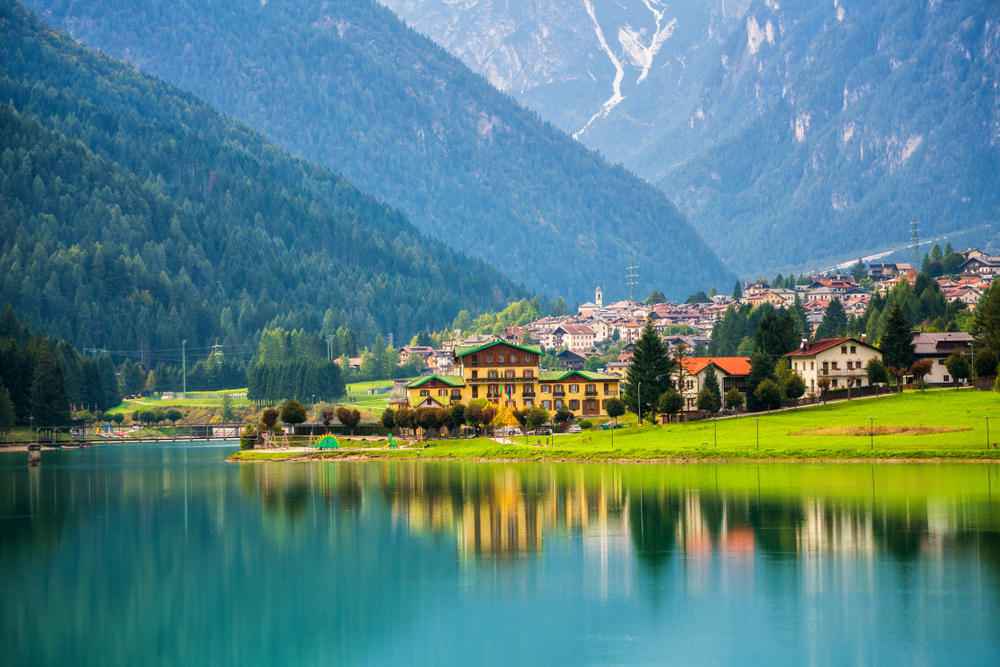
<point x="918" y="425"/>
<point x="371" y="406"/>
<point x="194" y="399"/>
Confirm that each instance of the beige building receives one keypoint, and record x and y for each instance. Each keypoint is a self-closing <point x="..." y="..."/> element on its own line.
<point x="730" y="373"/>
<point x="838" y="363"/>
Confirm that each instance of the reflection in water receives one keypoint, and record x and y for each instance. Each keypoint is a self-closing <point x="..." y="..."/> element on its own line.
<point x="168" y="555"/>
<point x="506" y="511"/>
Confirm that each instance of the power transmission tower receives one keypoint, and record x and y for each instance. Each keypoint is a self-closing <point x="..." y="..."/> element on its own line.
<point x="915" y="241"/>
<point x="632" y="279"/>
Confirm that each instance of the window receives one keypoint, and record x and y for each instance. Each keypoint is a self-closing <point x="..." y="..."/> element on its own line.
<point x="835" y="365"/>
<point x="574" y="404"/>
<point x="574" y="389"/>
<point x="475" y="375"/>
<point x="547" y="405"/>
<point x="947" y="378"/>
<point x="442" y="392"/>
<point x="843" y="349"/>
<point x="546" y="388"/>
<point x="812" y="365"/>
<point x="456" y="395"/>
<point x="475" y="391"/>
<point x="607" y="387"/>
<point x="425" y="392"/>
<point x="510" y="374"/>
<point x="492" y="375"/>
<point x="834" y="383"/>
<point x="689" y="384"/>
<point x="528" y="374"/>
<point x="489" y="358"/>
<point x="559" y="404"/>
<point x="854" y="349"/>
<point x="499" y="358"/>
<point x="591" y="389"/>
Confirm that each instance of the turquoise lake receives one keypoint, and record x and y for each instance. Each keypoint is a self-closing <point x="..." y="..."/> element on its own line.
<point x="167" y="555"/>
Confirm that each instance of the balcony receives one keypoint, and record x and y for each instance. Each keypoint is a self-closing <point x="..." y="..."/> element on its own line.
<point x="590" y="392"/>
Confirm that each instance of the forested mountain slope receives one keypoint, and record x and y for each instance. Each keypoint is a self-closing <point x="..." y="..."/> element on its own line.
<point x="135" y="216"/>
<point x="790" y="132"/>
<point x="346" y="84"/>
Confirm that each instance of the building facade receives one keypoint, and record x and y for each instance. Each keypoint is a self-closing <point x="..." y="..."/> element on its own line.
<point x="937" y="347"/>
<point x="833" y="363"/>
<point x="509" y="375"/>
<point x="730" y="373"/>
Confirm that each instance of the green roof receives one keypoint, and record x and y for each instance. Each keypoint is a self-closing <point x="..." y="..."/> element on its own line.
<point x="450" y="380"/>
<point x="560" y="376"/>
<point x="466" y="351"/>
<point x="423" y="399"/>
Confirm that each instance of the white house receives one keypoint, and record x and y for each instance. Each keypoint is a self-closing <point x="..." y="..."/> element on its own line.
<point x="837" y="363"/>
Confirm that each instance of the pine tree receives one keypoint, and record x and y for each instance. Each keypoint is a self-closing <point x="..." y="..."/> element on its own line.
<point x="648" y="376"/>
<point x="986" y="328"/>
<point x="6" y="409"/>
<point x="834" y="322"/>
<point x="738" y="291"/>
<point x="710" y="396"/>
<point x="49" y="406"/>
<point x="897" y="342"/>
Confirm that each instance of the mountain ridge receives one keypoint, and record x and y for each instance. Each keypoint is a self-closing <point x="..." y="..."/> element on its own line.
<point x="346" y="84"/>
<point x="137" y="216"/>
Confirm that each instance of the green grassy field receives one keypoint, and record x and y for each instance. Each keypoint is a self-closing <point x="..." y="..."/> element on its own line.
<point x="207" y="400"/>
<point x="914" y="425"/>
<point x="372" y="406"/>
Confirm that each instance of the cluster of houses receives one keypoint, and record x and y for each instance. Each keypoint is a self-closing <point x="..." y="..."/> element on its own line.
<point x="507" y="369"/>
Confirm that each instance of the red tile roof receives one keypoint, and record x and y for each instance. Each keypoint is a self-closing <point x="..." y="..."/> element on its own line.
<point x="738" y="366"/>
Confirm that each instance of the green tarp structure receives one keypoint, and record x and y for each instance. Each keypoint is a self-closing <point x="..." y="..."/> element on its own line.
<point x="392" y="442"/>
<point x="328" y="442"/>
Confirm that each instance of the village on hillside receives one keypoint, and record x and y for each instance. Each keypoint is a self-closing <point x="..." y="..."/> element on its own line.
<point x="600" y="337"/>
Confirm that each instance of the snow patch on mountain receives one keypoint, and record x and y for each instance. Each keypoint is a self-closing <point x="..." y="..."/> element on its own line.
<point x="616" y="86"/>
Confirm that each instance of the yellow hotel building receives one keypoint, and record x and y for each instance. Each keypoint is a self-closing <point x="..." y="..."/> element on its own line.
<point x="510" y="375"/>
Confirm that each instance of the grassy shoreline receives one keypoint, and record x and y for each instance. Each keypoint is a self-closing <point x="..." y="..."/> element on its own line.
<point x="931" y="426"/>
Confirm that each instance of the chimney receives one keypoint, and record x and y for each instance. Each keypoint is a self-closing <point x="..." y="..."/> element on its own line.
<point x="804" y="344"/>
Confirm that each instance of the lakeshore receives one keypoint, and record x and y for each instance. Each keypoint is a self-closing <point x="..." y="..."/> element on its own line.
<point x="929" y="427"/>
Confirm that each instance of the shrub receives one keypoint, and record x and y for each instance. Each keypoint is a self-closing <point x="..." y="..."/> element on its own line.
<point x="268" y="420"/>
<point x="670" y="402"/>
<point x="708" y="401"/>
<point x="586" y="424"/>
<point x="173" y="415"/>
<point x="920" y="369"/>
<point x="538" y="417"/>
<point x="292" y="412"/>
<point x="248" y="437"/>
<point x="349" y="417"/>
<point x="735" y="399"/>
<point x="389" y="419"/>
<point x="768" y="394"/>
<point x="615" y="408"/>
<point x="877" y="372"/>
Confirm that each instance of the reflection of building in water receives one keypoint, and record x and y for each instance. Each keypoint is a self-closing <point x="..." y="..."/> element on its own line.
<point x="844" y="530"/>
<point x="504" y="513"/>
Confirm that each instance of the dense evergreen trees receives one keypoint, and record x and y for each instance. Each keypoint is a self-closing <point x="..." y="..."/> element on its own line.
<point x="346" y="84"/>
<point x="135" y="216"/>
<point x="45" y="378"/>
<point x="834" y="323"/>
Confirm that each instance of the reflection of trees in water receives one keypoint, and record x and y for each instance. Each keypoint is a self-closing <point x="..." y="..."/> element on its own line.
<point x="653" y="520"/>
<point x="506" y="510"/>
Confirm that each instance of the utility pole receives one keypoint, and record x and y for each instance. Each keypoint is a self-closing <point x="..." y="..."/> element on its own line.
<point x="184" y="364"/>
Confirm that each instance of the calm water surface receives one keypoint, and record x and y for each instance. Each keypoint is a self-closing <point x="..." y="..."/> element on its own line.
<point x="167" y="555"/>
